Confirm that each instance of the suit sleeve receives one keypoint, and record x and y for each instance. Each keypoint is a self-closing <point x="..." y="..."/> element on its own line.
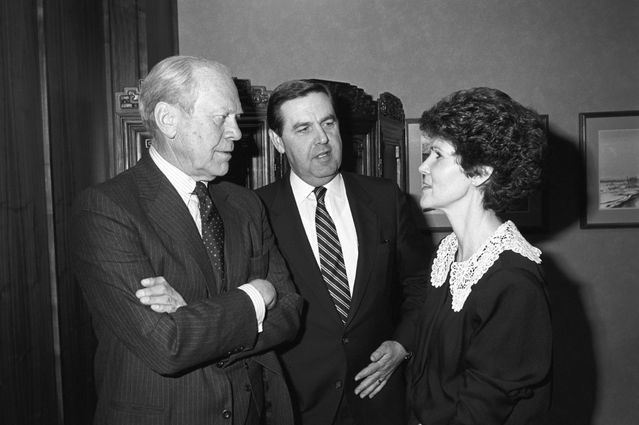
<point x="412" y="259"/>
<point x="111" y="257"/>
<point x="510" y="350"/>
<point x="282" y="321"/>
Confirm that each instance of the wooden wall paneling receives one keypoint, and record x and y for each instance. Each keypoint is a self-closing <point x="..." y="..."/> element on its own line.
<point x="357" y="114"/>
<point x="133" y="138"/>
<point x="27" y="367"/>
<point x="60" y="62"/>
<point x="391" y="144"/>
<point x="126" y="64"/>
<point x="77" y="111"/>
<point x="255" y="161"/>
<point x="161" y="30"/>
<point x="138" y="34"/>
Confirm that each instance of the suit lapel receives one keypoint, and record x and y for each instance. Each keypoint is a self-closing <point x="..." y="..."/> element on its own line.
<point x="367" y="228"/>
<point x="293" y="242"/>
<point x="171" y="218"/>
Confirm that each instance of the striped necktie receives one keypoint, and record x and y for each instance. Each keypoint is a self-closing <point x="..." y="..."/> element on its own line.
<point x="331" y="258"/>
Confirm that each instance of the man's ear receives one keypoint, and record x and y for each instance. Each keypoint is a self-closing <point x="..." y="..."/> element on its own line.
<point x="277" y="141"/>
<point x="483" y="173"/>
<point x="166" y="118"/>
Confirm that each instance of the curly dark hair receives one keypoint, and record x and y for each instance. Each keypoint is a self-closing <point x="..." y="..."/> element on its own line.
<point x="488" y="128"/>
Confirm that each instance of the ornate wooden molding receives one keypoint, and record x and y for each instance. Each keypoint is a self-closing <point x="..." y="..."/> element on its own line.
<point x="260" y="96"/>
<point x="356" y="101"/>
<point x="391" y="106"/>
<point x="254" y="99"/>
<point x="127" y="100"/>
<point x="133" y="140"/>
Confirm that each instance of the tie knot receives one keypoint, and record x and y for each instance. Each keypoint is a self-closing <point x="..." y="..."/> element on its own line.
<point x="201" y="190"/>
<point x="320" y="192"/>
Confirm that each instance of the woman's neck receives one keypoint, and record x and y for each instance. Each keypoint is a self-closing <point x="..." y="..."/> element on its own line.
<point x="473" y="229"/>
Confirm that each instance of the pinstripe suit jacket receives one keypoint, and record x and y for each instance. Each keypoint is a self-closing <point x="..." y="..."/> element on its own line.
<point x="205" y="363"/>
<point x="391" y="270"/>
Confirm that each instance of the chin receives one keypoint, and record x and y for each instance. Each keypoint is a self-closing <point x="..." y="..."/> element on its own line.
<point x="425" y="203"/>
<point x="220" y="171"/>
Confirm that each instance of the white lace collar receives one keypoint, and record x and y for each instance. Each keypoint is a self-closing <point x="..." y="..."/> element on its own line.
<point x="464" y="274"/>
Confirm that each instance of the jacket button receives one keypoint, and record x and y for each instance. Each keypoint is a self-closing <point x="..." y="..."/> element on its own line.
<point x="338" y="385"/>
<point x="220" y="363"/>
<point x="226" y="414"/>
<point x="345" y="340"/>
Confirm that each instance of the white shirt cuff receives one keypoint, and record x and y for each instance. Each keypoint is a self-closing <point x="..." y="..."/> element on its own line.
<point x="258" y="303"/>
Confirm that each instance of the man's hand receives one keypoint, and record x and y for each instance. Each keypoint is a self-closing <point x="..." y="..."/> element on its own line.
<point x="266" y="290"/>
<point x="158" y="294"/>
<point x="384" y="361"/>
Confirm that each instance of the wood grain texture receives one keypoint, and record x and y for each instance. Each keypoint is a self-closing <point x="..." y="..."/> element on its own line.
<point x="27" y="381"/>
<point x="56" y="74"/>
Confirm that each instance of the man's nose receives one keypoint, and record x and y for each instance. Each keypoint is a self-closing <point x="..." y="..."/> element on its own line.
<point x="233" y="131"/>
<point x="322" y="137"/>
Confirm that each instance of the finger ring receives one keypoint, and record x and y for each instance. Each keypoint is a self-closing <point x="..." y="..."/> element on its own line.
<point x="379" y="381"/>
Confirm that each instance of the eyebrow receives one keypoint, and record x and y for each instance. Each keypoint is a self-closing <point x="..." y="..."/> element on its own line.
<point x="301" y="124"/>
<point x="439" y="147"/>
<point x="329" y="117"/>
<point x="307" y="123"/>
<point x="228" y="110"/>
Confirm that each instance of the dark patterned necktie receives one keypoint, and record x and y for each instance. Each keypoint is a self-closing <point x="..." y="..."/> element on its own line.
<point x="212" y="228"/>
<point x="331" y="258"/>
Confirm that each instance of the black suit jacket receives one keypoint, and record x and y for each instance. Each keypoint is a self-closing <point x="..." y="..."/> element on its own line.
<point x="205" y="363"/>
<point x="391" y="271"/>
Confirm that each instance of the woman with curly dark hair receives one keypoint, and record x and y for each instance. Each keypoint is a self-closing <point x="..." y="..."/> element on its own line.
<point x="484" y="355"/>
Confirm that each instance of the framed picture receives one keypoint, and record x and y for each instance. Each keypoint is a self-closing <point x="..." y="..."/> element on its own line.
<point x="528" y="215"/>
<point x="609" y="144"/>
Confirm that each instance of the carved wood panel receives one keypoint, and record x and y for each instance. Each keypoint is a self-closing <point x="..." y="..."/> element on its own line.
<point x="391" y="141"/>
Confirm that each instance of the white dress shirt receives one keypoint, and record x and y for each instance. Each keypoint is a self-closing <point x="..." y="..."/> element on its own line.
<point x="340" y="211"/>
<point x="185" y="186"/>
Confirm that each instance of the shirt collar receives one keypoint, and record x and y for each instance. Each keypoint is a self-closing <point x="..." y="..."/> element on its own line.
<point x="302" y="190"/>
<point x="183" y="183"/>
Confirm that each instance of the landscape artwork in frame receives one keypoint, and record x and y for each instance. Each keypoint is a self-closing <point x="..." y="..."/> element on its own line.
<point x="609" y="143"/>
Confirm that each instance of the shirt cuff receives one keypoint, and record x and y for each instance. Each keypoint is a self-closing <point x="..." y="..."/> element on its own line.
<point x="258" y="303"/>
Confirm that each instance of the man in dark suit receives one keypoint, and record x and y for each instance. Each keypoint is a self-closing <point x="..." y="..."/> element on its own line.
<point x="156" y="240"/>
<point x="342" y="367"/>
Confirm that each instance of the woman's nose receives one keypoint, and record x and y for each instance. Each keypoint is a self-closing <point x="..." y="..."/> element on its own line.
<point x="425" y="167"/>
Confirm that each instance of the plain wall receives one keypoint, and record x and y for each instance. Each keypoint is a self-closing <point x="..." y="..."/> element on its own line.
<point x="561" y="57"/>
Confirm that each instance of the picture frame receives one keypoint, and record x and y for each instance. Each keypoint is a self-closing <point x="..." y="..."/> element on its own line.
<point x="529" y="216"/>
<point x="609" y="145"/>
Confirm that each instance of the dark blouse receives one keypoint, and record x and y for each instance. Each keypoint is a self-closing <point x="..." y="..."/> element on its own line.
<point x="489" y="363"/>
